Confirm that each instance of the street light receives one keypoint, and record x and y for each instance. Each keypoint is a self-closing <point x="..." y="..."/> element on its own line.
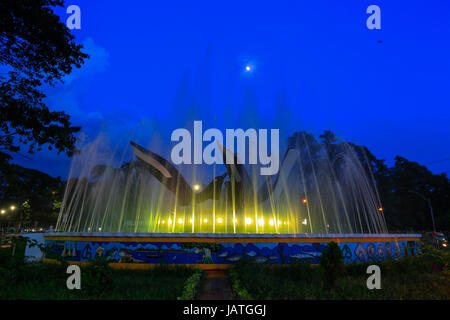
<point x="429" y="205"/>
<point x="13" y="208"/>
<point x="3" y="211"/>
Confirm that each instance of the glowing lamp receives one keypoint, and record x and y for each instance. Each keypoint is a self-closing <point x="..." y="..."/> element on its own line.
<point x="219" y="220"/>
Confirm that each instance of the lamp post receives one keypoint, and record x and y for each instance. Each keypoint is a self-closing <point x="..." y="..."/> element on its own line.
<point x="429" y="206"/>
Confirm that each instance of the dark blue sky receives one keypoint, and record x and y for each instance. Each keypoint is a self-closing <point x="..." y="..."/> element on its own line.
<point x="315" y="66"/>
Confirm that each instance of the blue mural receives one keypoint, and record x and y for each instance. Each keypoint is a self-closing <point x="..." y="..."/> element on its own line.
<point x="224" y="253"/>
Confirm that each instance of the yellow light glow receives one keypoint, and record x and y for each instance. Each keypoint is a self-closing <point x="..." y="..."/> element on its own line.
<point x="170" y="221"/>
<point x="163" y="222"/>
<point x="284" y="222"/>
<point x="190" y="220"/>
<point x="261" y="222"/>
<point x="271" y="222"/>
<point x="305" y="222"/>
<point x="196" y="187"/>
<point x="180" y="221"/>
<point x="248" y="220"/>
<point x="3" y="211"/>
<point x="205" y="220"/>
<point x="279" y="222"/>
<point x="380" y="209"/>
<point x="219" y="220"/>
<point x="304" y="201"/>
<point x="248" y="68"/>
<point x="234" y="220"/>
<point x="13" y="207"/>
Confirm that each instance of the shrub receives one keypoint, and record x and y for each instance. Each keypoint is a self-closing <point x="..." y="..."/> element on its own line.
<point x="190" y="287"/>
<point x="239" y="290"/>
<point x="97" y="277"/>
<point x="331" y="262"/>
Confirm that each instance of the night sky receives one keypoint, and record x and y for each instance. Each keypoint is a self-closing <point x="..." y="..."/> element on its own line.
<point x="158" y="65"/>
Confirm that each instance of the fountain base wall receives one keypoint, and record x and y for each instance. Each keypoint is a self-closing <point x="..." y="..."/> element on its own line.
<point x="218" y="251"/>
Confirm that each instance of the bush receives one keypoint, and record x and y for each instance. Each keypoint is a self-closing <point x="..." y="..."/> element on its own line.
<point x="97" y="277"/>
<point x="239" y="290"/>
<point x="190" y="287"/>
<point x="332" y="263"/>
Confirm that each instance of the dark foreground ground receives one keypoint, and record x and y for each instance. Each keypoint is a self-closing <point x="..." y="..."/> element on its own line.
<point x="422" y="277"/>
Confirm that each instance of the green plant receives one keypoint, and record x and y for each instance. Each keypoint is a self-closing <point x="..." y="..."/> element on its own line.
<point x="332" y="263"/>
<point x="191" y="285"/>
<point x="97" y="277"/>
<point x="239" y="290"/>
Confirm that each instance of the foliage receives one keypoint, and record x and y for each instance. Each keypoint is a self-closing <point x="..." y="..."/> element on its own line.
<point x="238" y="288"/>
<point x="13" y="254"/>
<point x="37" y="49"/>
<point x="33" y="193"/>
<point x="191" y="286"/>
<point x="406" y="278"/>
<point x="97" y="277"/>
<point x="404" y="188"/>
<point x="48" y="281"/>
<point x="332" y="263"/>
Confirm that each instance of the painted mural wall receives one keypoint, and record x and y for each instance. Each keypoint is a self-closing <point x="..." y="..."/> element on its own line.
<point x="224" y="253"/>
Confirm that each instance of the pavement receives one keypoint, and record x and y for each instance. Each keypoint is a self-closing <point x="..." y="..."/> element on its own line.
<point x="215" y="286"/>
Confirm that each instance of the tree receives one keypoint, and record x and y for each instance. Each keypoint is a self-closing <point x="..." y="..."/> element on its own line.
<point x="33" y="193"/>
<point x="405" y="189"/>
<point x="408" y="181"/>
<point x="332" y="263"/>
<point x="36" y="49"/>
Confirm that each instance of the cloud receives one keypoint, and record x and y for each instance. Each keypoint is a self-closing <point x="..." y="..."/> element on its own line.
<point x="67" y="95"/>
<point x="98" y="62"/>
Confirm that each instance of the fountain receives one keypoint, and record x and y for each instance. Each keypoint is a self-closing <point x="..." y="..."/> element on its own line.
<point x="145" y="211"/>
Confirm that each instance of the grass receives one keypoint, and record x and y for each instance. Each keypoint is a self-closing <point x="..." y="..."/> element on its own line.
<point x="48" y="281"/>
<point x="408" y="278"/>
<point x="422" y="277"/>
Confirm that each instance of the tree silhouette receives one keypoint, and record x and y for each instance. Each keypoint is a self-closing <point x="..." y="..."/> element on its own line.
<point x="36" y="49"/>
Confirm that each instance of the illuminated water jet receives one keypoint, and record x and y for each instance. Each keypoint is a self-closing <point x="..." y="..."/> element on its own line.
<point x="146" y="211"/>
